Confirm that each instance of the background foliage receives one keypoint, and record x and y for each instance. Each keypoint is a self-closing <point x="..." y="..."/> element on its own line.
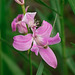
<point x="13" y="62"/>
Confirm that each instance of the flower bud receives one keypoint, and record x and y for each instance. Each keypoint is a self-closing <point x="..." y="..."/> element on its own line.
<point x="21" y="2"/>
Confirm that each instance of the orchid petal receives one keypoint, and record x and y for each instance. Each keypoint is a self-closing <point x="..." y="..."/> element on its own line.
<point x="35" y="48"/>
<point x="48" y="56"/>
<point x="19" y="17"/>
<point x="45" y="29"/>
<point x="22" y="28"/>
<point x="13" y="25"/>
<point x="54" y="40"/>
<point x="16" y="21"/>
<point x="29" y="18"/>
<point x="22" y="43"/>
<point x="26" y="8"/>
<point x="41" y="41"/>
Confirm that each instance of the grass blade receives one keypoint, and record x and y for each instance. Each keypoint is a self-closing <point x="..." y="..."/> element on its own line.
<point x="71" y="65"/>
<point x="12" y="66"/>
<point x="40" y="69"/>
<point x="72" y="4"/>
<point x="41" y="2"/>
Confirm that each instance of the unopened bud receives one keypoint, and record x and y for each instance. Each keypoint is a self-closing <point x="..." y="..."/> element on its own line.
<point x="21" y="2"/>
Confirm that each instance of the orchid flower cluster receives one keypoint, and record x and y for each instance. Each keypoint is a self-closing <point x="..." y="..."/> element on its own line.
<point x="38" y="40"/>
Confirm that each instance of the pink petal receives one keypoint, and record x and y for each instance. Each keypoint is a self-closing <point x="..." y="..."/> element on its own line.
<point x="22" y="28"/>
<point x="45" y="29"/>
<point x="26" y="8"/>
<point x="29" y="18"/>
<point x="35" y="48"/>
<point x="22" y="43"/>
<point x="16" y="21"/>
<point x="54" y="40"/>
<point x="41" y="41"/>
<point x="13" y="25"/>
<point x="19" y="17"/>
<point x="48" y="56"/>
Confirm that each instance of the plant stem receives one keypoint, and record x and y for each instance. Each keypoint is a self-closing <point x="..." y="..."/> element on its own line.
<point x="27" y="28"/>
<point x="30" y="63"/>
<point x="65" y="71"/>
<point x="23" y="9"/>
<point x="24" y="12"/>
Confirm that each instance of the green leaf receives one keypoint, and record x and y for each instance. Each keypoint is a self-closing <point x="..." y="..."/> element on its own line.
<point x="72" y="4"/>
<point x="71" y="65"/>
<point x="41" y="2"/>
<point x="55" y="5"/>
<point x="12" y="65"/>
<point x="40" y="69"/>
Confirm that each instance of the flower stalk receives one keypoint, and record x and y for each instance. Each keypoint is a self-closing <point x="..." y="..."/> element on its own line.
<point x="24" y="12"/>
<point x="30" y="62"/>
<point x="23" y="9"/>
<point x="65" y="71"/>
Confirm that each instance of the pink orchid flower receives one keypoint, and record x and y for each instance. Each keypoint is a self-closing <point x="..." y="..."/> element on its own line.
<point x="18" y="23"/>
<point x="41" y="39"/>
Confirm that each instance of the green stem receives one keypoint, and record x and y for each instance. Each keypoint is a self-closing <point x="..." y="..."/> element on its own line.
<point x="27" y="28"/>
<point x="30" y="63"/>
<point x="24" y="12"/>
<point x="23" y="8"/>
<point x="65" y="70"/>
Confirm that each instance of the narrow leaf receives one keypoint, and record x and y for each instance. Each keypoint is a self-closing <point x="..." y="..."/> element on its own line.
<point x="72" y="4"/>
<point x="41" y="2"/>
<point x="40" y="69"/>
<point x="71" y="65"/>
<point x="12" y="66"/>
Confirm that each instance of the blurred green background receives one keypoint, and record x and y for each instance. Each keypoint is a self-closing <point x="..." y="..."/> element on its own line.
<point x="13" y="62"/>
